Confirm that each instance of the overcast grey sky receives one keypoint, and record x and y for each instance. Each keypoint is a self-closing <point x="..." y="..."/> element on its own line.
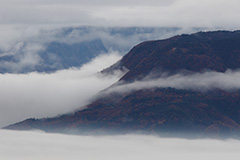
<point x="182" y="13"/>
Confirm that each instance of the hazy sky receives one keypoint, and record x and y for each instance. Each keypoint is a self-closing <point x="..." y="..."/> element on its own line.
<point x="182" y="13"/>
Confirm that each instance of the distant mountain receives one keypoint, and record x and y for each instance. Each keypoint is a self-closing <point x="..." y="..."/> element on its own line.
<point x="166" y="111"/>
<point x="62" y="56"/>
<point x="73" y="47"/>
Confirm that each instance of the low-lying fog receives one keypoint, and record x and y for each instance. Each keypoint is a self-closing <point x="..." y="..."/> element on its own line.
<point x="205" y="81"/>
<point x="37" y="95"/>
<point x="42" y="146"/>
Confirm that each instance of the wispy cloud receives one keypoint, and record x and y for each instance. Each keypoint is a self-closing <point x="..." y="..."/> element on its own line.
<point x="44" y="95"/>
<point x="229" y="81"/>
<point x="38" y="146"/>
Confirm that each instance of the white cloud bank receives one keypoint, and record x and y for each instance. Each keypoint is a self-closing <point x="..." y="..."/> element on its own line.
<point x="43" y="95"/>
<point x="38" y="146"/>
<point x="229" y="81"/>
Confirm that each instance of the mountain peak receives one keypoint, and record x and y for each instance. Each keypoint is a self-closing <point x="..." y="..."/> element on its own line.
<point x="217" y="51"/>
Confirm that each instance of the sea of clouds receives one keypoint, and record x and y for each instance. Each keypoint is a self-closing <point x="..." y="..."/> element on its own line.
<point x="23" y="145"/>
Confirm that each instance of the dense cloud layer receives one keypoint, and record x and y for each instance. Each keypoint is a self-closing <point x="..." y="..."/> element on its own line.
<point x="42" y="95"/>
<point x="229" y="81"/>
<point x="38" y="146"/>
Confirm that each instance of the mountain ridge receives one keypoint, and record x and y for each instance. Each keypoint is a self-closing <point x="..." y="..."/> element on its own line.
<point x="174" y="56"/>
<point x="163" y="110"/>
